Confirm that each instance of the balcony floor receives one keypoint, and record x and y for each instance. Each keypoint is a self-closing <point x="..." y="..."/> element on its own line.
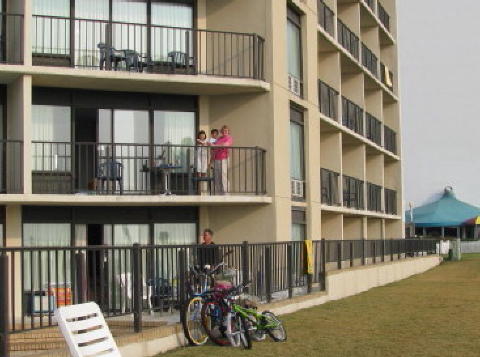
<point x="66" y="77"/>
<point x="127" y="200"/>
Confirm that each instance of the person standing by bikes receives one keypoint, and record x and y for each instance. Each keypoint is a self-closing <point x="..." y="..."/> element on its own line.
<point x="207" y="252"/>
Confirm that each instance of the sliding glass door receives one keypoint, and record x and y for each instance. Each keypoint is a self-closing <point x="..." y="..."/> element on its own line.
<point x="89" y="35"/>
<point x="165" y="39"/>
<point x="174" y="128"/>
<point x="129" y="30"/>
<point x="47" y="270"/>
<point x="51" y="31"/>
<point x="51" y="136"/>
<point x="124" y="136"/>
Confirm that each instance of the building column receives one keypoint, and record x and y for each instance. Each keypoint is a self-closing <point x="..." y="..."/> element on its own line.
<point x="19" y="125"/>
<point x="13" y="231"/>
<point x="23" y="7"/>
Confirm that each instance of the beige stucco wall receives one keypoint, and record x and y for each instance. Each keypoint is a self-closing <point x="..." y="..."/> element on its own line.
<point x="353" y="228"/>
<point x="258" y="112"/>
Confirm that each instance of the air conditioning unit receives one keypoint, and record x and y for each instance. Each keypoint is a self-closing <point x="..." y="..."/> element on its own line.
<point x="294" y="85"/>
<point x="298" y="188"/>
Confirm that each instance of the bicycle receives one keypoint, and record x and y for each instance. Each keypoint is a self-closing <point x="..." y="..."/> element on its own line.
<point x="261" y="323"/>
<point x="198" y="282"/>
<point x="223" y="325"/>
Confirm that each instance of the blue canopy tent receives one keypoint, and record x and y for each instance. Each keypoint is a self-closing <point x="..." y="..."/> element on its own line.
<point x="447" y="212"/>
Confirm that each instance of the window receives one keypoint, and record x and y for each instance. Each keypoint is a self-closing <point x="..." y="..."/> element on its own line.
<point x="175" y="233"/>
<point x="297" y="166"/>
<point x="54" y="264"/>
<point x="51" y="34"/>
<point x="51" y="134"/>
<point x="294" y="52"/>
<point x="174" y="128"/>
<point x="299" y="225"/>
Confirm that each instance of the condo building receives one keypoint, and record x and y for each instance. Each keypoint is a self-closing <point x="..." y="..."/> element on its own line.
<point x="102" y="102"/>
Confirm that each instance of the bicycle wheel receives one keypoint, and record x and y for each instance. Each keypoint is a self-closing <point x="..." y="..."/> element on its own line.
<point x="244" y="333"/>
<point x="192" y="322"/>
<point x="238" y="335"/>
<point x="274" y="327"/>
<point x="256" y="334"/>
<point x="212" y="321"/>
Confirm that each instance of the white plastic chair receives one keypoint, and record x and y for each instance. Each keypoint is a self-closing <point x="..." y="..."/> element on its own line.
<point x="85" y="331"/>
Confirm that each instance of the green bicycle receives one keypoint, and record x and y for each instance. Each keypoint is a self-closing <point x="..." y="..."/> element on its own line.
<point x="259" y="324"/>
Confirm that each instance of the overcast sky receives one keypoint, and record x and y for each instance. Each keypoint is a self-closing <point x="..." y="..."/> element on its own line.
<point x="439" y="44"/>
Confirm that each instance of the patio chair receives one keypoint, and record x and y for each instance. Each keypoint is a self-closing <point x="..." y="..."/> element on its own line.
<point x="135" y="61"/>
<point x="179" y="59"/>
<point x="110" y="171"/>
<point x="113" y="55"/>
<point x="86" y="331"/>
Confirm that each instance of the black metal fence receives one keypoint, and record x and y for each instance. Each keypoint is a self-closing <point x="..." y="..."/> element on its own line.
<point x="330" y="187"/>
<point x="326" y="17"/>
<point x="352" y="116"/>
<point x="369" y="60"/>
<point x="107" y="45"/>
<point x="373" y="128"/>
<point x="390" y="201"/>
<point x="348" y="39"/>
<point x="134" y="280"/>
<point x="383" y="16"/>
<point x="11" y="165"/>
<point x="390" y="139"/>
<point x="353" y="193"/>
<point x="328" y="100"/>
<point x="11" y="38"/>
<point x="144" y="169"/>
<point x="374" y="197"/>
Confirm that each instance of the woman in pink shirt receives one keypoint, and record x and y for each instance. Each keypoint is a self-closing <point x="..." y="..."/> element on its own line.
<point x="220" y="155"/>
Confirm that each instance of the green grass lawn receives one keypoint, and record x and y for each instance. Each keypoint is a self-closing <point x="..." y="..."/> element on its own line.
<point x="433" y="314"/>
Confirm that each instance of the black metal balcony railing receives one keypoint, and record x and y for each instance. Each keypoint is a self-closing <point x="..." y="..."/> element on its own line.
<point x="11" y="38"/>
<point x="369" y="60"/>
<point x="143" y="169"/>
<point x="383" y="74"/>
<point x="373" y="129"/>
<point x="106" y="45"/>
<point x="390" y="139"/>
<point x="371" y="4"/>
<point x="383" y="16"/>
<point x="353" y="195"/>
<point x="11" y="164"/>
<point x="352" y="116"/>
<point x="328" y="100"/>
<point x="326" y="17"/>
<point x="348" y="39"/>
<point x="390" y="201"/>
<point x="330" y="187"/>
<point x="374" y="197"/>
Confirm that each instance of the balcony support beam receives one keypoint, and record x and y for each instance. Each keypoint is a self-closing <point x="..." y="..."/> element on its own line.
<point x="19" y="124"/>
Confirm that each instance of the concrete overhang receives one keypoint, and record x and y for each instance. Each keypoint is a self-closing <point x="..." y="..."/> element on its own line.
<point x="358" y="213"/>
<point x="65" y="77"/>
<point x="159" y="200"/>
